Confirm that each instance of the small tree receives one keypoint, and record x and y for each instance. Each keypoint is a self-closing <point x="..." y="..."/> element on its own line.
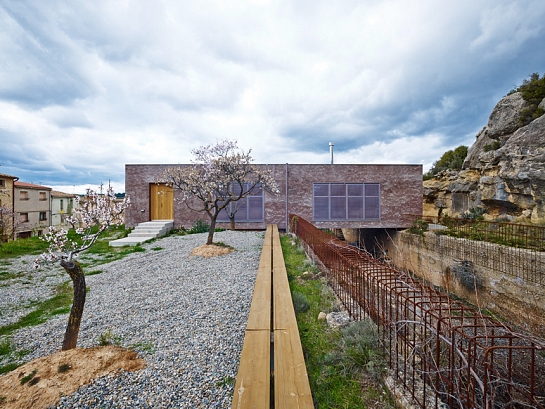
<point x="97" y="212"/>
<point x="8" y="223"/>
<point x="219" y="175"/>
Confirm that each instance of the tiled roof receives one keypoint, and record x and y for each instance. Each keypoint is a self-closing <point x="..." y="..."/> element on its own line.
<point x="30" y="186"/>
<point x="55" y="193"/>
<point x="3" y="175"/>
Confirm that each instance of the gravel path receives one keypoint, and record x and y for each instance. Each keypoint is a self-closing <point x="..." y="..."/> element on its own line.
<point x="187" y="316"/>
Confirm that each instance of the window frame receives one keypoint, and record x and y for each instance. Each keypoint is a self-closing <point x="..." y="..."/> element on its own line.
<point x="43" y="196"/>
<point x="23" y="217"/>
<point x="223" y="216"/>
<point x="43" y="216"/>
<point x="23" y="195"/>
<point x="359" y="198"/>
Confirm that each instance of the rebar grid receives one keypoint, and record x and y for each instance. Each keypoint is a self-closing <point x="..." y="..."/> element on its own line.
<point x="518" y="250"/>
<point x="440" y="350"/>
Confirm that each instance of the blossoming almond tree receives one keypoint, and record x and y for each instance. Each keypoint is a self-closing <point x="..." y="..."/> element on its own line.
<point x="220" y="174"/>
<point x="94" y="213"/>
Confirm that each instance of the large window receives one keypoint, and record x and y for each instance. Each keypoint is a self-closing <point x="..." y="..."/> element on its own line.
<point x="346" y="201"/>
<point x="248" y="209"/>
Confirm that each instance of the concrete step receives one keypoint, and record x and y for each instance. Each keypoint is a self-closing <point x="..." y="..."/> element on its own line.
<point x="145" y="231"/>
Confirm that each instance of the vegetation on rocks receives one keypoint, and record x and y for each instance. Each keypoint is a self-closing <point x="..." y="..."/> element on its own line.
<point x="451" y="160"/>
<point x="533" y="92"/>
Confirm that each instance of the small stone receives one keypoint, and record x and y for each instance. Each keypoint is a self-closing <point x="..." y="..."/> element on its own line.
<point x="322" y="316"/>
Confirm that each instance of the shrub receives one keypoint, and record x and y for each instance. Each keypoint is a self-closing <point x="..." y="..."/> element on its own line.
<point x="419" y="227"/>
<point x="300" y="302"/>
<point x="109" y="338"/>
<point x="533" y="92"/>
<point x="200" y="226"/>
<point x="475" y="213"/>
<point x="451" y="160"/>
<point x="492" y="146"/>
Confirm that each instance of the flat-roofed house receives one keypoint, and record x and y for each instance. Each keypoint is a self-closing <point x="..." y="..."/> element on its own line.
<point x="329" y="196"/>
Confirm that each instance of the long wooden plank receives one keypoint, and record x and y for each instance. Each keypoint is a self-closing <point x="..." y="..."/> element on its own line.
<point x="283" y="313"/>
<point x="291" y="386"/>
<point x="253" y="384"/>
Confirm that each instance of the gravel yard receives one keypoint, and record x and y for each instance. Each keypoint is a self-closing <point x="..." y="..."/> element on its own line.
<point x="186" y="315"/>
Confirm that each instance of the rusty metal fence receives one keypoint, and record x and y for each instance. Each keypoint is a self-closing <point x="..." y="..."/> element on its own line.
<point x="441" y="351"/>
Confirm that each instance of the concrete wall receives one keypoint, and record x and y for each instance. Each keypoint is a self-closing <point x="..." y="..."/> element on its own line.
<point x="400" y="189"/>
<point x="468" y="273"/>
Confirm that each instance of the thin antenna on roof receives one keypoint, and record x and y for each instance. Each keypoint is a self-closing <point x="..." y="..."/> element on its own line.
<point x="331" y="144"/>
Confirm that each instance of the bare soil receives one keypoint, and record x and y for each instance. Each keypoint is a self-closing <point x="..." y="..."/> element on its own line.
<point x="211" y="250"/>
<point x="62" y="374"/>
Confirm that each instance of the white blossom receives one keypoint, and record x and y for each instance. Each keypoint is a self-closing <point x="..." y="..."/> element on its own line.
<point x="93" y="214"/>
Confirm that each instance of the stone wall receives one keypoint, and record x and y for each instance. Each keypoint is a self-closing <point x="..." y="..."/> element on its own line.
<point x="491" y="277"/>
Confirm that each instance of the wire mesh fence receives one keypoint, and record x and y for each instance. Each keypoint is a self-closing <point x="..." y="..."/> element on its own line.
<point x="441" y="351"/>
<point x="519" y="250"/>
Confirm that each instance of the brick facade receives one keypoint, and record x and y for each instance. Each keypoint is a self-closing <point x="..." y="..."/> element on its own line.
<point x="400" y="194"/>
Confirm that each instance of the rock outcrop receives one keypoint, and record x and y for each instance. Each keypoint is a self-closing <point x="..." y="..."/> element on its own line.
<point x="504" y="171"/>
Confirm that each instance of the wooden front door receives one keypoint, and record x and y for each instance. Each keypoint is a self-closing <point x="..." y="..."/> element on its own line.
<point x="161" y="202"/>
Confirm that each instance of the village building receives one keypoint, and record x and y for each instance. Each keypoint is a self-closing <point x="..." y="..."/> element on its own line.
<point x="32" y="205"/>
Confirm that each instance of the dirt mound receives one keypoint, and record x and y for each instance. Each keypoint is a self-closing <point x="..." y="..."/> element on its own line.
<point x="42" y="382"/>
<point x="211" y="250"/>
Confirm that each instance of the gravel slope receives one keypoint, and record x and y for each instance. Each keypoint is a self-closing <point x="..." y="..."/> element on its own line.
<point x="191" y="310"/>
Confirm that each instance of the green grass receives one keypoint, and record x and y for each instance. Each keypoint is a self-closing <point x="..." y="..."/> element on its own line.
<point x="146" y="346"/>
<point x="28" y="377"/>
<point x="9" y="367"/>
<point x="58" y="304"/>
<point x="22" y="247"/>
<point x="342" y="373"/>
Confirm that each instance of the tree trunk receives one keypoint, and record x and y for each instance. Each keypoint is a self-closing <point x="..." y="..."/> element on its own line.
<point x="211" y="231"/>
<point x="232" y="222"/>
<point x="78" y="279"/>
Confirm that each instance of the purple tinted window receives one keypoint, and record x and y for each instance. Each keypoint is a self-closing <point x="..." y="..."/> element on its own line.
<point x="355" y="208"/>
<point x="355" y="190"/>
<point x="321" y="189"/>
<point x="338" y="208"/>
<point x="372" y="190"/>
<point x="372" y="208"/>
<point x="338" y="189"/>
<point x="321" y="208"/>
<point x="255" y="208"/>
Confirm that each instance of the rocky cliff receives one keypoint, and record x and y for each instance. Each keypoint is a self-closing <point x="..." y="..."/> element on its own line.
<point x="503" y="173"/>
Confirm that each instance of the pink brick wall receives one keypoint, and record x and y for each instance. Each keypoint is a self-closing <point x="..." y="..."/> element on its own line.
<point x="400" y="190"/>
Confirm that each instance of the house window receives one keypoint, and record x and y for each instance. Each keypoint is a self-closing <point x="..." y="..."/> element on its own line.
<point x="248" y="209"/>
<point x="43" y="216"/>
<point x="43" y="196"/>
<point x="62" y="205"/>
<point x="23" y="195"/>
<point x="346" y="201"/>
<point x="23" y="217"/>
<point x="2" y="183"/>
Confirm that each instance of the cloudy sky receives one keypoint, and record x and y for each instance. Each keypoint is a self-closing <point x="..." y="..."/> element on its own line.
<point x="86" y="87"/>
